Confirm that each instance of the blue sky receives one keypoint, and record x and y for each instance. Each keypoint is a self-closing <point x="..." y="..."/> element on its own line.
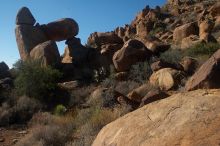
<point x="91" y="15"/>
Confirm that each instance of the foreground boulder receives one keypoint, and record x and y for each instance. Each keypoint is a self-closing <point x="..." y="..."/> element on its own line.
<point x="61" y="29"/>
<point x="184" y="31"/>
<point x="132" y="52"/>
<point x="183" y="119"/>
<point x="47" y="53"/>
<point x="208" y="74"/>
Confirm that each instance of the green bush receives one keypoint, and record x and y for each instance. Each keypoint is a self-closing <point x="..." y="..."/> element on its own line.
<point x="202" y="49"/>
<point x="34" y="80"/>
<point x="172" y="56"/>
<point x="60" y="110"/>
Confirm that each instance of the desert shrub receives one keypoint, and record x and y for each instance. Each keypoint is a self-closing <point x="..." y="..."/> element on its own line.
<point x="140" y="72"/>
<point x="202" y="49"/>
<point x="90" y="122"/>
<point x="34" y="80"/>
<point x="48" y="130"/>
<point x="60" y="110"/>
<point x="125" y="87"/>
<point x="80" y="95"/>
<point x="172" y="56"/>
<point x="20" y="112"/>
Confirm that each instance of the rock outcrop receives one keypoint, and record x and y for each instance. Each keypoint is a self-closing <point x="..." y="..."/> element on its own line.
<point x="24" y="16"/>
<point x="183" y="119"/>
<point x="184" y="31"/>
<point x="208" y="74"/>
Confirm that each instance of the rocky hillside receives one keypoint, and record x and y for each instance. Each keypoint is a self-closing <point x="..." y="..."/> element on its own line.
<point x="154" y="81"/>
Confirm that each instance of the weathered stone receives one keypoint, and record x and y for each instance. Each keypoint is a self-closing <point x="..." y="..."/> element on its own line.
<point x="166" y="78"/>
<point x="184" y="31"/>
<point x="27" y="38"/>
<point x="190" y="118"/>
<point x="205" y="29"/>
<point x="163" y="64"/>
<point x="61" y="29"/>
<point x="47" y="53"/>
<point x="153" y="95"/>
<point x="132" y="52"/>
<point x="208" y="74"/>
<point x="25" y="17"/>
<point x="70" y="85"/>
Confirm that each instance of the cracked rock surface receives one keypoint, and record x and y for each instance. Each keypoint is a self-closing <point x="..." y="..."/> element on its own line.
<point x="190" y="118"/>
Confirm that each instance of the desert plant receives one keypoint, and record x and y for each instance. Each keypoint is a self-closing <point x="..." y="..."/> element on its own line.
<point x="202" y="49"/>
<point x="60" y="110"/>
<point x="34" y="80"/>
<point x="172" y="56"/>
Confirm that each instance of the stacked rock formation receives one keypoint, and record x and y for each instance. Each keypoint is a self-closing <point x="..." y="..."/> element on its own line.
<point x="38" y="41"/>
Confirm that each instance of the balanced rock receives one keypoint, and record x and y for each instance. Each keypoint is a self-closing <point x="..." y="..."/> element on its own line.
<point x="208" y="74"/>
<point x="165" y="79"/>
<point x="27" y="38"/>
<point x="24" y="17"/>
<point x="132" y="52"/>
<point x="184" y="31"/>
<point x="186" y="119"/>
<point x="61" y="29"/>
<point x="47" y="53"/>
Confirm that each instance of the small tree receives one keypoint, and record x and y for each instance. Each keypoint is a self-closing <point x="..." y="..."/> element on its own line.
<point x="35" y="80"/>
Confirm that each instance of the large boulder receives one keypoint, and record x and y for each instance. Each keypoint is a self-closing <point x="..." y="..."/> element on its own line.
<point x="27" y="38"/>
<point x="190" y="118"/>
<point x="166" y="78"/>
<point x="61" y="29"/>
<point x="184" y="31"/>
<point x="208" y="74"/>
<point x="132" y="52"/>
<point x="24" y="16"/>
<point x="47" y="53"/>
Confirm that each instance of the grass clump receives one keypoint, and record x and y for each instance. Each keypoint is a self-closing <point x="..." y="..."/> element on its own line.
<point x="202" y="49"/>
<point x="172" y="56"/>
